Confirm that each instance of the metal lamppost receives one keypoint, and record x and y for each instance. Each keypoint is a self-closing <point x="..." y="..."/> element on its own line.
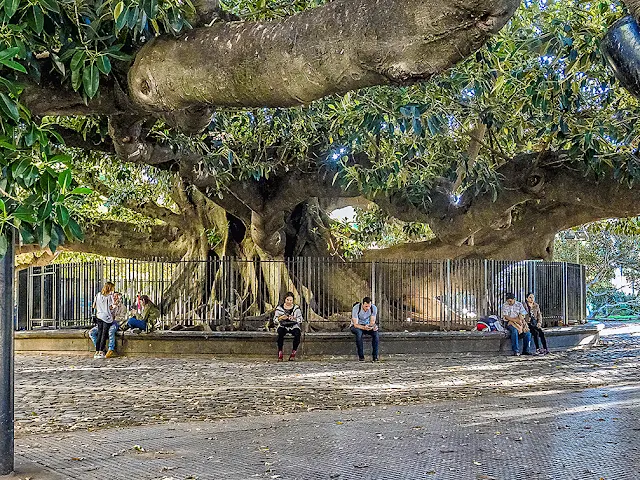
<point x="6" y="360"/>
<point x="579" y="236"/>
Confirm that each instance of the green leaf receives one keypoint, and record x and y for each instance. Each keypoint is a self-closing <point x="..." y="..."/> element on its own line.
<point x="91" y="80"/>
<point x="43" y="231"/>
<point x="25" y="214"/>
<point x="63" y="215"/>
<point x="75" y="230"/>
<point x="121" y="20"/>
<point x="76" y="79"/>
<point x="64" y="180"/>
<point x="117" y="11"/>
<point x="59" y="65"/>
<point x="81" y="191"/>
<point x="26" y="232"/>
<point x="9" y="53"/>
<point x="55" y="240"/>
<point x="13" y="65"/>
<point x="4" y="245"/>
<point x="10" y="7"/>
<point x="104" y="64"/>
<point x="150" y="7"/>
<point x="9" y="107"/>
<point x="50" y="5"/>
<point x="38" y="17"/>
<point x="77" y="60"/>
<point x="3" y="209"/>
<point x="48" y="183"/>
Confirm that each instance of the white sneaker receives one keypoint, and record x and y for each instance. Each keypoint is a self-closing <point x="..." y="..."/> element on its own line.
<point x="99" y="355"/>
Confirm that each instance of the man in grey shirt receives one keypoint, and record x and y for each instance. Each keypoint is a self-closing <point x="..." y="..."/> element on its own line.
<point x="363" y="322"/>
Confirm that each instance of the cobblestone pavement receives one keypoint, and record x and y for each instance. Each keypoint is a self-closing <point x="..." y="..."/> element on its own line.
<point x="568" y="415"/>
<point x="58" y="393"/>
<point x="588" y="435"/>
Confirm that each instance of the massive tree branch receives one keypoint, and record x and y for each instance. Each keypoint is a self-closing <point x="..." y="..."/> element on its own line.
<point x="542" y="194"/>
<point x="341" y="46"/>
<point x="127" y="240"/>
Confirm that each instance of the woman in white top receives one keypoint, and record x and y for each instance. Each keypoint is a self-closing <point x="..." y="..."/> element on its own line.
<point x="103" y="305"/>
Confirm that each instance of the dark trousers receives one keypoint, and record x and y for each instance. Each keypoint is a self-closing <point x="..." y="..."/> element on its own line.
<point x="282" y="331"/>
<point x="536" y="332"/>
<point x="103" y="335"/>
<point x="375" y="340"/>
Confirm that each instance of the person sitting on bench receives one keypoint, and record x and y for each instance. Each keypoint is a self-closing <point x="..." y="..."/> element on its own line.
<point x="363" y="321"/>
<point x="288" y="318"/>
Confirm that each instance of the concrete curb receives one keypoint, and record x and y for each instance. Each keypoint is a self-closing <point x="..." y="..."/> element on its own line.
<point x="169" y="343"/>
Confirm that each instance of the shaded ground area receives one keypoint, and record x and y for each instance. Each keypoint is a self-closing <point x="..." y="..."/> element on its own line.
<point x="60" y="394"/>
<point x="589" y="435"/>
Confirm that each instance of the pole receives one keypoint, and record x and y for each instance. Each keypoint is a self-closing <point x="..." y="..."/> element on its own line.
<point x="6" y="359"/>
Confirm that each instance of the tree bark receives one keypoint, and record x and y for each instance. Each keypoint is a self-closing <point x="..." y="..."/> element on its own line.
<point x="341" y="46"/>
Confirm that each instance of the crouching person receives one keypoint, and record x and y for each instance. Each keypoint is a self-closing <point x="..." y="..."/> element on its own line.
<point x="363" y="322"/>
<point x="147" y="319"/>
<point x="288" y="318"/>
<point x="514" y="313"/>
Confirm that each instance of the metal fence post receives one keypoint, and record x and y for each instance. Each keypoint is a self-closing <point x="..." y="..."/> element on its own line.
<point x="565" y="300"/>
<point x="6" y="359"/>
<point x="449" y="297"/>
<point x="373" y="282"/>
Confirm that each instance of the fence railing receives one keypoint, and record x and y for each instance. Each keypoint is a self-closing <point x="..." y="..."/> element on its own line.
<point x="230" y="293"/>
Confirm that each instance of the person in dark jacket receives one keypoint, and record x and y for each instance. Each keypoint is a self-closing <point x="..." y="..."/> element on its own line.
<point x="534" y="316"/>
<point x="288" y="319"/>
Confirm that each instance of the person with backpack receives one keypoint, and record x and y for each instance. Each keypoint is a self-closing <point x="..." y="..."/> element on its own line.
<point x="288" y="318"/>
<point x="363" y="322"/>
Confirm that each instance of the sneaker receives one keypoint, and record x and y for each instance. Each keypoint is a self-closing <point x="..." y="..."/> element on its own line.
<point x="361" y="359"/>
<point x="137" y="331"/>
<point x="292" y="357"/>
<point x="280" y="356"/>
<point x="96" y="355"/>
<point x="546" y="351"/>
<point x="376" y="359"/>
<point x="110" y="354"/>
<point x="530" y="353"/>
<point x="516" y="354"/>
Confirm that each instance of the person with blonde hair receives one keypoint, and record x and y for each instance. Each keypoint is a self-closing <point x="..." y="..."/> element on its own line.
<point x="103" y="304"/>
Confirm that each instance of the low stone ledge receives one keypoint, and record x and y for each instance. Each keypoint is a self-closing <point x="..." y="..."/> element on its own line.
<point x="176" y="343"/>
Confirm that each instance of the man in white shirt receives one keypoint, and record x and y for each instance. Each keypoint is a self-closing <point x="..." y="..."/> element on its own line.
<point x="513" y="315"/>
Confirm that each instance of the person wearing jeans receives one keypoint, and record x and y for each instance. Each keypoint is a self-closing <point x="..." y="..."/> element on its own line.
<point x="119" y="314"/>
<point x="363" y="322"/>
<point x="93" y="335"/>
<point x="513" y="314"/>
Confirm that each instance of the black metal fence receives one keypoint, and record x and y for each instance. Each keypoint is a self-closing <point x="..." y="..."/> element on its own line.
<point x="230" y="293"/>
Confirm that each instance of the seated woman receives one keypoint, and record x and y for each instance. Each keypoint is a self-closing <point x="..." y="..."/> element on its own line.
<point x="288" y="318"/>
<point x="535" y="323"/>
<point x="147" y="321"/>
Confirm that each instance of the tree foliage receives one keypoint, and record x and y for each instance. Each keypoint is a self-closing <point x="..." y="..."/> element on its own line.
<point x="539" y="85"/>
